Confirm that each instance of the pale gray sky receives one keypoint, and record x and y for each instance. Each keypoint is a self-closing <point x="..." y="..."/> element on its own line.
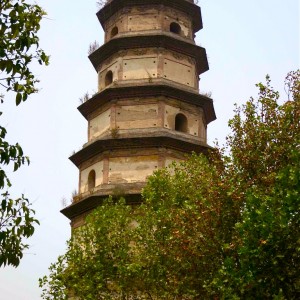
<point x="245" y="40"/>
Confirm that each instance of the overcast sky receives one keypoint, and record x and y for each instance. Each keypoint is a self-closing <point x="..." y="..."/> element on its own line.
<point x="244" y="40"/>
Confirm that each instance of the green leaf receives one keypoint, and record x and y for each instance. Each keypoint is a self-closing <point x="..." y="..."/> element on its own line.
<point x="18" y="98"/>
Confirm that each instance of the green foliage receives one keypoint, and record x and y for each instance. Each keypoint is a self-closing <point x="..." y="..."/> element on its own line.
<point x="19" y="48"/>
<point x="100" y="251"/>
<point x="19" y="24"/>
<point x="15" y="221"/>
<point x="189" y="223"/>
<point x="54" y="287"/>
<point x="221" y="226"/>
<point x="9" y="154"/>
<point x="264" y="260"/>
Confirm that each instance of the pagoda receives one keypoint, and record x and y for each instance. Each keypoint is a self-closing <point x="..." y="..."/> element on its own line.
<point x="148" y="111"/>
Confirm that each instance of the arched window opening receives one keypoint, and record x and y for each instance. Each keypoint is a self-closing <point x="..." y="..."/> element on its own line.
<point x="181" y="123"/>
<point x="91" y="180"/>
<point x="114" y="32"/>
<point x="108" y="78"/>
<point x="175" y="28"/>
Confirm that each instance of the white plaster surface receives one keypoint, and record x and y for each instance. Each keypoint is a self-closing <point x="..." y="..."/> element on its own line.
<point x="98" y="168"/>
<point x="99" y="124"/>
<point x="131" y="169"/>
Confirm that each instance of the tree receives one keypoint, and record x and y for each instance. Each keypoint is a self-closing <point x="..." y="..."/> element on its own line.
<point x="263" y="259"/>
<point x="100" y="251"/>
<point x="221" y="226"/>
<point x="19" y="48"/>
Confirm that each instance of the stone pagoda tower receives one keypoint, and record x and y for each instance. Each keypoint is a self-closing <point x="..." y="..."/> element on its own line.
<point x="148" y="110"/>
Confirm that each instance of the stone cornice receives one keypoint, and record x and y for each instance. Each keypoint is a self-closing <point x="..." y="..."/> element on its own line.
<point x="148" y="90"/>
<point x="158" y="40"/>
<point x="178" y="143"/>
<point x="87" y="203"/>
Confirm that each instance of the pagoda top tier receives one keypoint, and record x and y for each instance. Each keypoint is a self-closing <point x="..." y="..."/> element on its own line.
<point x="186" y="6"/>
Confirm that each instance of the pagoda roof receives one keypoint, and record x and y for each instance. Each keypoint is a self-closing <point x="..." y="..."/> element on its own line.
<point x="158" y="40"/>
<point x="155" y="89"/>
<point x="87" y="203"/>
<point x="185" y="6"/>
<point x="163" y="140"/>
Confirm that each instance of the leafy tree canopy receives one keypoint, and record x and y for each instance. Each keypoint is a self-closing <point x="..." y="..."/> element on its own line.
<point x="19" y="47"/>
<point x="221" y="226"/>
